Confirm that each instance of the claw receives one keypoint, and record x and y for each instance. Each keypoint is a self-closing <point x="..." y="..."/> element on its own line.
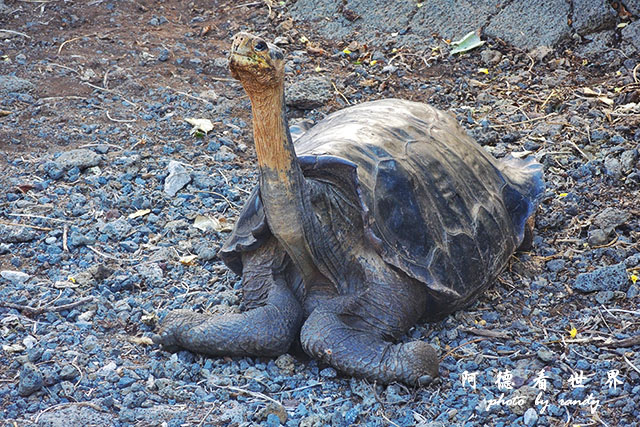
<point x="425" y="380"/>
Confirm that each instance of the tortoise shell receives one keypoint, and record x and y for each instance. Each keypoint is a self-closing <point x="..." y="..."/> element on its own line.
<point x="435" y="204"/>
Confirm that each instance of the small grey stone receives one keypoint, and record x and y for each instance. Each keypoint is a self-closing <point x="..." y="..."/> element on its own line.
<point x="610" y="218"/>
<point x="286" y="363"/>
<point x="490" y="56"/>
<point x="310" y="93"/>
<point x="555" y="265"/>
<point x="15" y="277"/>
<point x="90" y="343"/>
<point x="546" y="355"/>
<point x="206" y="253"/>
<point x="80" y="158"/>
<point x="609" y="278"/>
<point x="30" y="380"/>
<point x="68" y="372"/>
<point x="272" y="409"/>
<point x="613" y="167"/>
<point x="633" y="260"/>
<point x="634" y="291"/>
<point x="389" y="69"/>
<point x="14" y="84"/>
<point x="604" y="296"/>
<point x="530" y="417"/>
<point x="78" y="239"/>
<point x="328" y="373"/>
<point x="10" y="234"/>
<point x="178" y="177"/>
<point x="597" y="237"/>
<point x="151" y="272"/>
<point x="628" y="159"/>
<point x="117" y="229"/>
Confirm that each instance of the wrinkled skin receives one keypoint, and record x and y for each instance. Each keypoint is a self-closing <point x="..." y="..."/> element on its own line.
<point x="384" y="214"/>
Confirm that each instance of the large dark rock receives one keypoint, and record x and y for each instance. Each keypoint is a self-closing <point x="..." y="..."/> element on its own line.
<point x="592" y="15"/>
<point x="452" y="22"/>
<point x="531" y="23"/>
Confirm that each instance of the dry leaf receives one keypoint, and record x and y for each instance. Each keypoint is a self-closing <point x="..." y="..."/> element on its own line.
<point x="139" y="213"/>
<point x="200" y="125"/>
<point x="188" y="259"/>
<point x="141" y="340"/>
<point x="208" y="223"/>
<point x="13" y="348"/>
<point x="589" y="92"/>
<point x="605" y="100"/>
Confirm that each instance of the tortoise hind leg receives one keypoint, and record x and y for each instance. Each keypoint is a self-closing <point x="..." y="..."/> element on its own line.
<point x="354" y="336"/>
<point x="267" y="329"/>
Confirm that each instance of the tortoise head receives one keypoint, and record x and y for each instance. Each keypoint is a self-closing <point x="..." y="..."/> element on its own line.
<point x="257" y="64"/>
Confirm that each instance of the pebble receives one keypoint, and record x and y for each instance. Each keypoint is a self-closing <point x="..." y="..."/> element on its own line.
<point x="15" y="277"/>
<point x="176" y="180"/>
<point x="608" y="278"/>
<point x="546" y="355"/>
<point x="530" y="417"/>
<point x="309" y="93"/>
<point x="30" y="380"/>
<point x="81" y="158"/>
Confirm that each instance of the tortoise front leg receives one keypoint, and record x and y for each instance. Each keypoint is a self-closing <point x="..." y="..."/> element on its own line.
<point x="353" y="335"/>
<point x="267" y="329"/>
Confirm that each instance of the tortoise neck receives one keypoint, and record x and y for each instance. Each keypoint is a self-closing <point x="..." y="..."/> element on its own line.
<point x="274" y="147"/>
<point x="282" y="185"/>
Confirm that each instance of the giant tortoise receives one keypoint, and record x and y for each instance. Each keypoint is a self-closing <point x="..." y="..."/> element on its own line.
<point x="382" y="214"/>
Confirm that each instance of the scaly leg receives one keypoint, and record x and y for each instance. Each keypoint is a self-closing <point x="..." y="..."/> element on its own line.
<point x="267" y="329"/>
<point x="354" y="335"/>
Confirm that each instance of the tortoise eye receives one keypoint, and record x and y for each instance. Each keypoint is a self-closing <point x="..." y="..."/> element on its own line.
<point x="260" y="46"/>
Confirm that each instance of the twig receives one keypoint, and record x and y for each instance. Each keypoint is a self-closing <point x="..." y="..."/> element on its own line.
<point x="65" y="233"/>
<point x="206" y="416"/>
<point x="486" y="333"/>
<point x="72" y="40"/>
<point x="460" y="346"/>
<point x="579" y="150"/>
<point x="219" y="195"/>
<point x="102" y="254"/>
<point x="34" y="311"/>
<point x="627" y="342"/>
<point x="15" y="32"/>
<point x="35" y="227"/>
<point x="635" y="368"/>
<point x="191" y="96"/>
<point x="111" y="91"/>
<point x="120" y="120"/>
<point x="340" y="93"/>
<point x="523" y="122"/>
<point x="249" y="392"/>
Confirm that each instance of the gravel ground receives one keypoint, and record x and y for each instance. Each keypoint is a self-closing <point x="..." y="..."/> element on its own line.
<point x="113" y="211"/>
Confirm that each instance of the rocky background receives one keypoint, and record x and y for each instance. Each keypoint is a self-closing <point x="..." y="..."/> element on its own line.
<point x="114" y="206"/>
